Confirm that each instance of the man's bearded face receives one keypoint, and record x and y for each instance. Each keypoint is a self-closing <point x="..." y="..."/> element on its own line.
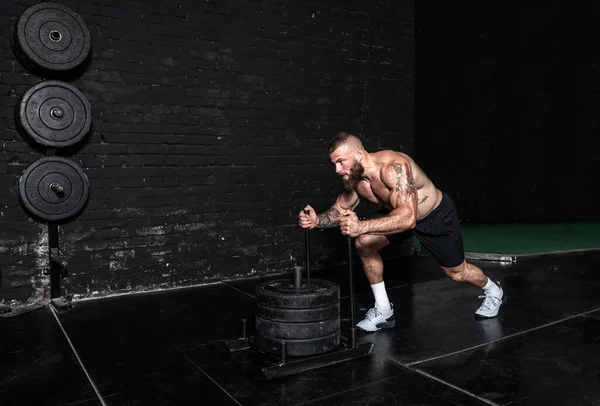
<point x="354" y="177"/>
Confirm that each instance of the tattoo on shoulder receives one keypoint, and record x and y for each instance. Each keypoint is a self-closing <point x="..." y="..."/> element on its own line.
<point x="423" y="199"/>
<point x="329" y="219"/>
<point x="404" y="179"/>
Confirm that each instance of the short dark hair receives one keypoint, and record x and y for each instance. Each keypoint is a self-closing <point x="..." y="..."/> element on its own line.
<point x="338" y="140"/>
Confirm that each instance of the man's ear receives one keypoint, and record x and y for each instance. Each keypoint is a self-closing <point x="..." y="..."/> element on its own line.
<point x="359" y="155"/>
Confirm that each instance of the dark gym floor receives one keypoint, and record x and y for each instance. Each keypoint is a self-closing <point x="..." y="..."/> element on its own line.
<point x="167" y="348"/>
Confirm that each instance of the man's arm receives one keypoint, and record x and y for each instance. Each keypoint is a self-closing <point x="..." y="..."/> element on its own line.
<point x="398" y="177"/>
<point x="345" y="203"/>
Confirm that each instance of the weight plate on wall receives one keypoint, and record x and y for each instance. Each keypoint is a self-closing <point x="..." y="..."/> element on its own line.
<point x="53" y="188"/>
<point x="55" y="114"/>
<point x="51" y="37"/>
<point x="282" y="293"/>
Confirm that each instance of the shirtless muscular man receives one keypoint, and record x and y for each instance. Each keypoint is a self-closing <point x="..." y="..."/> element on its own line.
<point x="395" y="182"/>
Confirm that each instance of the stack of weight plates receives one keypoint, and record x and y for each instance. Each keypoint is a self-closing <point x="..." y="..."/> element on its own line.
<point x="307" y="319"/>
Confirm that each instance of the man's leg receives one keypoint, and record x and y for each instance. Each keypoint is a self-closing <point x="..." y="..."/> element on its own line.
<point x="440" y="234"/>
<point x="368" y="247"/>
<point x="472" y="274"/>
<point x="467" y="272"/>
<point x="382" y="315"/>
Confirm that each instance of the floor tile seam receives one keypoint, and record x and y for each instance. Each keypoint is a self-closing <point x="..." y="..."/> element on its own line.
<point x="389" y="288"/>
<point x="416" y="283"/>
<point x="210" y="377"/>
<point x="512" y="402"/>
<point x="227" y="283"/>
<point x="454" y="387"/>
<point x="346" y="391"/>
<point x="237" y="289"/>
<point x="410" y="364"/>
<point x="79" y="360"/>
<point x="435" y="378"/>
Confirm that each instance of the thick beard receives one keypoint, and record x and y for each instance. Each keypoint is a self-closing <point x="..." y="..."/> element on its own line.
<point x="356" y="175"/>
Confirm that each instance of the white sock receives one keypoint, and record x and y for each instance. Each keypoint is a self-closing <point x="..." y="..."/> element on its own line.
<point x="381" y="297"/>
<point x="492" y="289"/>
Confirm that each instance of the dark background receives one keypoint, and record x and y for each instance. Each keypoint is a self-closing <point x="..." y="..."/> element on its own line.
<point x="506" y="107"/>
<point x="211" y="121"/>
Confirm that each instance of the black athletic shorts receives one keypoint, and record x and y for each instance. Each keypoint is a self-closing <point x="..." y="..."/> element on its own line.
<point x="439" y="234"/>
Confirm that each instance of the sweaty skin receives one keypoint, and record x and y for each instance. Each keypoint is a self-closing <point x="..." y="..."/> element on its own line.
<point x="391" y="179"/>
<point x="394" y="181"/>
<point x="399" y="185"/>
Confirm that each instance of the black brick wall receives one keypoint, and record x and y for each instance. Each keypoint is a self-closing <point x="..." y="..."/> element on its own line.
<point x="210" y="126"/>
<point x="508" y="107"/>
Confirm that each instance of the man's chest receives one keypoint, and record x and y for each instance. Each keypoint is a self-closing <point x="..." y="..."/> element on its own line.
<point x="374" y="191"/>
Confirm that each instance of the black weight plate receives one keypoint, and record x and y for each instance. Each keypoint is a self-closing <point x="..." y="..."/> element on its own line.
<point x="53" y="188"/>
<point x="55" y="114"/>
<point x="282" y="293"/>
<point x="51" y="37"/>
<point x="296" y="331"/>
<point x="299" y="348"/>
<point x="298" y="315"/>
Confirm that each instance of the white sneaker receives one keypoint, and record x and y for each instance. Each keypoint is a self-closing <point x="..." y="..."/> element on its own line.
<point x="491" y="305"/>
<point x="375" y="320"/>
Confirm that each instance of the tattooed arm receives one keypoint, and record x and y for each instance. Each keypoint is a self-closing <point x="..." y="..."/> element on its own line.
<point x="345" y="203"/>
<point x="403" y="198"/>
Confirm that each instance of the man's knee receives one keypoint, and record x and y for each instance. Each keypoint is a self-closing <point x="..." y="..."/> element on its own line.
<point x="361" y="242"/>
<point x="456" y="273"/>
<point x="456" y="276"/>
<point x="366" y="242"/>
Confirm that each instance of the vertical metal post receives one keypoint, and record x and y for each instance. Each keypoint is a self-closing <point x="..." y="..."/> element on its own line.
<point x="55" y="268"/>
<point x="351" y="282"/>
<point x="297" y="278"/>
<point x="307" y="248"/>
<point x="283" y="353"/>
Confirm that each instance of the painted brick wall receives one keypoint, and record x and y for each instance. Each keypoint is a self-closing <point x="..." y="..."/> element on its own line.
<point x="211" y="121"/>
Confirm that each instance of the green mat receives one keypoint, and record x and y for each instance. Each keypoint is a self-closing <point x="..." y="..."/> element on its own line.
<point x="531" y="238"/>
